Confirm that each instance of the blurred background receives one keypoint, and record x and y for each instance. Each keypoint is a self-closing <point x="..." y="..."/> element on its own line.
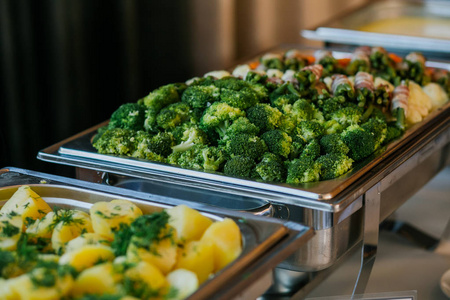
<point x="66" y="65"/>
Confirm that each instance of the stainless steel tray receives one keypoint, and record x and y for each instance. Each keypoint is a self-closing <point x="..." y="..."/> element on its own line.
<point x="266" y="241"/>
<point x="77" y="151"/>
<point x="335" y="209"/>
<point x="348" y="28"/>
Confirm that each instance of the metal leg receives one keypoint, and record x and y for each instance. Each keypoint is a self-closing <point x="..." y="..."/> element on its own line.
<point x="370" y="240"/>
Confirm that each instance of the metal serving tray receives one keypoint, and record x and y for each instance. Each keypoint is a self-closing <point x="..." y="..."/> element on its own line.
<point x="266" y="241"/>
<point x="336" y="209"/>
<point x="351" y="28"/>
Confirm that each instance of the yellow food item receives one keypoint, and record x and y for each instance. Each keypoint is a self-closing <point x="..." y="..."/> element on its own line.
<point x="148" y="274"/>
<point x="162" y="254"/>
<point x="174" y="249"/>
<point x="419" y="103"/>
<point x="73" y="225"/>
<point x="87" y="256"/>
<point x="90" y="238"/>
<point x="225" y="236"/>
<point x="100" y="279"/>
<point x="26" y="203"/>
<point x="22" y="287"/>
<point x="197" y="257"/>
<point x="108" y="215"/>
<point x="184" y="281"/>
<point x="10" y="231"/>
<point x="436" y="93"/>
<point x="189" y="223"/>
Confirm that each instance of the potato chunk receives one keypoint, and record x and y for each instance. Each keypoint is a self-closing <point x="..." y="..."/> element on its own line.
<point x="147" y="276"/>
<point x="10" y="231"/>
<point x="100" y="279"/>
<point x="189" y="223"/>
<point x="197" y="257"/>
<point x="225" y="236"/>
<point x="108" y="215"/>
<point x="87" y="256"/>
<point x="184" y="282"/>
<point x="72" y="223"/>
<point x="26" y="203"/>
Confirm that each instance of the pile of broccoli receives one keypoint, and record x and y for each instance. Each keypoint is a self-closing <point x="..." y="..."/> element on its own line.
<point x="255" y="127"/>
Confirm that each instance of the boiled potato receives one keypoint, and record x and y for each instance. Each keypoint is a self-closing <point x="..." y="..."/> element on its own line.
<point x="147" y="274"/>
<point x="189" y="223"/>
<point x="89" y="238"/>
<point x="225" y="236"/>
<point x="184" y="281"/>
<point x="42" y="228"/>
<point x="162" y="254"/>
<point x="72" y="224"/>
<point x="26" y="203"/>
<point x="108" y="215"/>
<point x="100" y="279"/>
<point x="436" y="93"/>
<point x="87" y="256"/>
<point x="197" y="257"/>
<point x="22" y="287"/>
<point x="10" y="231"/>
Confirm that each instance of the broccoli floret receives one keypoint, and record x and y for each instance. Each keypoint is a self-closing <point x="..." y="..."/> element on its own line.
<point x="333" y="165"/>
<point x="247" y="145"/>
<point x="241" y="99"/>
<point x="281" y="101"/>
<point x="199" y="157"/>
<point x="200" y="96"/>
<point x="302" y="110"/>
<point x="99" y="133"/>
<point x="347" y="116"/>
<point x="231" y="83"/>
<point x="148" y="145"/>
<point x="333" y="126"/>
<point x="187" y="136"/>
<point x="287" y="123"/>
<point x="333" y="143"/>
<point x="239" y="166"/>
<point x="378" y="129"/>
<point x="309" y="130"/>
<point x="117" y="141"/>
<point x="392" y="133"/>
<point x="330" y="106"/>
<point x="128" y="116"/>
<point x="285" y="89"/>
<point x="255" y="77"/>
<point x="271" y="168"/>
<point x="297" y="146"/>
<point x="264" y="116"/>
<point x="218" y="117"/>
<point x="360" y="142"/>
<point x="278" y="142"/>
<point x="302" y="170"/>
<point x="173" y="115"/>
<point x="161" y="97"/>
<point x="241" y="125"/>
<point x="311" y="150"/>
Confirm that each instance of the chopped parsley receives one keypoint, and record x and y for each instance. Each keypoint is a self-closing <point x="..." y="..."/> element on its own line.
<point x="9" y="230"/>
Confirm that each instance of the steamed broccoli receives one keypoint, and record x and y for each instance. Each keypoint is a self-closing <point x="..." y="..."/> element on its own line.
<point x="286" y="89"/>
<point x="264" y="116"/>
<point x="347" y="116"/>
<point x="247" y="145"/>
<point x="117" y="141"/>
<point x="199" y="157"/>
<point x="360" y="142"/>
<point x="333" y="143"/>
<point x="239" y="93"/>
<point x="239" y="166"/>
<point x="378" y="129"/>
<point x="150" y="147"/>
<point x="302" y="170"/>
<point x="271" y="168"/>
<point x="218" y="117"/>
<point x="280" y="101"/>
<point x="297" y="146"/>
<point x="309" y="130"/>
<point x="311" y="150"/>
<point x="333" y="126"/>
<point x="187" y="136"/>
<point x="241" y="125"/>
<point x="333" y="165"/>
<point x="128" y="116"/>
<point x="161" y="97"/>
<point x="330" y="105"/>
<point x="302" y="110"/>
<point x="173" y="115"/>
<point x="199" y="96"/>
<point x="278" y="142"/>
